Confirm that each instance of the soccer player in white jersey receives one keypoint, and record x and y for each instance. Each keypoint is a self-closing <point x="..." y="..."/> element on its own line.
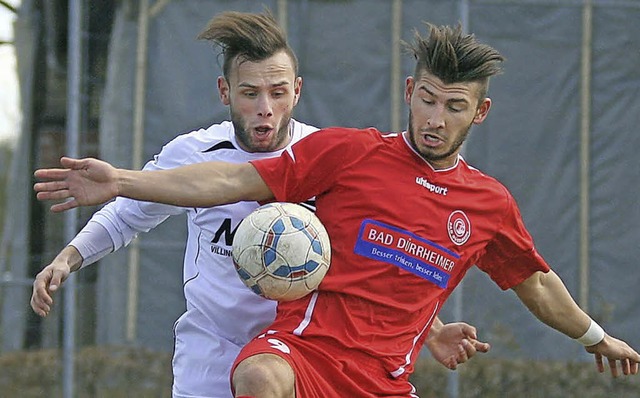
<point x="261" y="86"/>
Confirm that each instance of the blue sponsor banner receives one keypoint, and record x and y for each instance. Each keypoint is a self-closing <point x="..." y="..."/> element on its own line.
<point x="406" y="250"/>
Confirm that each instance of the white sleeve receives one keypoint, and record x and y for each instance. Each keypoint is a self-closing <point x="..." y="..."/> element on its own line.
<point x="125" y="218"/>
<point x="92" y="242"/>
<point x="116" y="225"/>
<point x="120" y="221"/>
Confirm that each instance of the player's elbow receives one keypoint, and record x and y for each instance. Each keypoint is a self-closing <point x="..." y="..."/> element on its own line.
<point x="532" y="293"/>
<point x="546" y="297"/>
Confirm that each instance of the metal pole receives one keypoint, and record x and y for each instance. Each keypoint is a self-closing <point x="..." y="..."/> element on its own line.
<point x="74" y="83"/>
<point x="453" y="377"/>
<point x="283" y="15"/>
<point x="138" y="149"/>
<point x="396" y="79"/>
<point x="585" y="127"/>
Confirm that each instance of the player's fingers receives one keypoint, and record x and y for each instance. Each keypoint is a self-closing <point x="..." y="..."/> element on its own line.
<point x="57" y="278"/>
<point x="40" y="292"/>
<point x="72" y="163"/>
<point x="51" y="174"/>
<point x="599" y="362"/>
<point x="613" y="365"/>
<point x="41" y="302"/>
<point x="53" y="195"/>
<point x="466" y="350"/>
<point x="471" y="333"/>
<point x="633" y="368"/>
<point x="468" y="330"/>
<point x="39" y="307"/>
<point x="50" y="186"/>
<point x="480" y="345"/>
<point x="451" y="363"/>
<point x="60" y="207"/>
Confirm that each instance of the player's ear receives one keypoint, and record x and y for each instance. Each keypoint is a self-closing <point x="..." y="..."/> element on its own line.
<point x="482" y="111"/>
<point x="223" y="90"/>
<point x="297" y="90"/>
<point x="409" y="85"/>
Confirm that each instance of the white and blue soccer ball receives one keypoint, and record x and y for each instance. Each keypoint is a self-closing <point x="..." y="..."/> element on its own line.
<point x="281" y="251"/>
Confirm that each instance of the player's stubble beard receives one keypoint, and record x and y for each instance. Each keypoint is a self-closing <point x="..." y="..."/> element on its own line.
<point x="279" y="141"/>
<point x="430" y="156"/>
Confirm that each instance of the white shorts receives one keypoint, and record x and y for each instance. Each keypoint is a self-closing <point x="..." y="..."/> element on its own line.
<point x="202" y="359"/>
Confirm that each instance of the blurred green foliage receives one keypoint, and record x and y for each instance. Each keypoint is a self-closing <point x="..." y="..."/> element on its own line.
<point x="119" y="372"/>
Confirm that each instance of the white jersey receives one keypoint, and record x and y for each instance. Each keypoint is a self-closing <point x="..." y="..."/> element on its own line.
<point x="222" y="314"/>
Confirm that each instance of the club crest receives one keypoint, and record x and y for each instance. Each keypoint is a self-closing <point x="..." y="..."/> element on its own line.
<point x="459" y="227"/>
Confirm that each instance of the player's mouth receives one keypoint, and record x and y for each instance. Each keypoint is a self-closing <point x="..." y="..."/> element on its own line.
<point x="263" y="132"/>
<point x="432" y="140"/>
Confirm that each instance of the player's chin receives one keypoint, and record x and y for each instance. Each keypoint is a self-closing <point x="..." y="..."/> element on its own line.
<point x="259" y="147"/>
<point x="264" y="144"/>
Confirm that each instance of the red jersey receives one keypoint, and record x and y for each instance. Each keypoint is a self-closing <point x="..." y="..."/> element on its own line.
<point x="402" y="235"/>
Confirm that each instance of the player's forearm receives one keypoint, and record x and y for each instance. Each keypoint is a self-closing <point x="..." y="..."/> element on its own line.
<point x="197" y="185"/>
<point x="167" y="186"/>
<point x="548" y="299"/>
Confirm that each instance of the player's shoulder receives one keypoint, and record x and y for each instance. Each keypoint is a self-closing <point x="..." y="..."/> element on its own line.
<point x="350" y="135"/>
<point x="475" y="177"/>
<point x="203" y="138"/>
<point x="189" y="147"/>
<point x="346" y="142"/>
<point x="301" y="130"/>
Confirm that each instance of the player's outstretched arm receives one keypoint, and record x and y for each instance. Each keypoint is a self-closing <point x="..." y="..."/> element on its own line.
<point x="52" y="277"/>
<point x="549" y="300"/>
<point x="90" y="182"/>
<point x="454" y="343"/>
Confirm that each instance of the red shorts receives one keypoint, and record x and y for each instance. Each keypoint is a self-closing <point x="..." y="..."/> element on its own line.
<point x="323" y="371"/>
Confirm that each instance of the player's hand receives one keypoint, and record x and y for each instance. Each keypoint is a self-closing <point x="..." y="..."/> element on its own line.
<point x="454" y="344"/>
<point x="617" y="353"/>
<point x="49" y="280"/>
<point x="86" y="181"/>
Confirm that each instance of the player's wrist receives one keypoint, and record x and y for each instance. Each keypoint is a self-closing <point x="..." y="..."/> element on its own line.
<point x="594" y="335"/>
<point x="70" y="257"/>
<point x="120" y="182"/>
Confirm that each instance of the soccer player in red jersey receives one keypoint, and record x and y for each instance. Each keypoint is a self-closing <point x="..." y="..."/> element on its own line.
<point x="407" y="217"/>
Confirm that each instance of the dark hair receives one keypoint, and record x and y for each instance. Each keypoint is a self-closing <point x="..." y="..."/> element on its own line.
<point x="455" y="57"/>
<point x="247" y="37"/>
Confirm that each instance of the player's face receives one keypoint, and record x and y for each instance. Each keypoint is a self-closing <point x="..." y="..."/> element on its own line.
<point x="261" y="97"/>
<point x="440" y="116"/>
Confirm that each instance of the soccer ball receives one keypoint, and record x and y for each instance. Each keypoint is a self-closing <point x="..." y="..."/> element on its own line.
<point x="281" y="251"/>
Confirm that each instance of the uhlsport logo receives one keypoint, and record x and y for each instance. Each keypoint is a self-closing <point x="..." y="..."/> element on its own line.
<point x="432" y="187"/>
<point x="459" y="227"/>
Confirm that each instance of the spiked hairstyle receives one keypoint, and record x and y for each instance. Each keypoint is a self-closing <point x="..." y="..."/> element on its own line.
<point x="247" y="37"/>
<point x="455" y="57"/>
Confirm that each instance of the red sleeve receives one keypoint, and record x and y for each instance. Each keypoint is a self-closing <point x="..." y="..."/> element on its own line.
<point x="511" y="257"/>
<point x="313" y="165"/>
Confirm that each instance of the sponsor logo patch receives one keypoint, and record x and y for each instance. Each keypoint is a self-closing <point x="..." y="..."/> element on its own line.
<point x="432" y="187"/>
<point x="406" y="250"/>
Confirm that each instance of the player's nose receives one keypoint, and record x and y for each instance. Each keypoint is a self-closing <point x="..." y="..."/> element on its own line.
<point x="265" y="106"/>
